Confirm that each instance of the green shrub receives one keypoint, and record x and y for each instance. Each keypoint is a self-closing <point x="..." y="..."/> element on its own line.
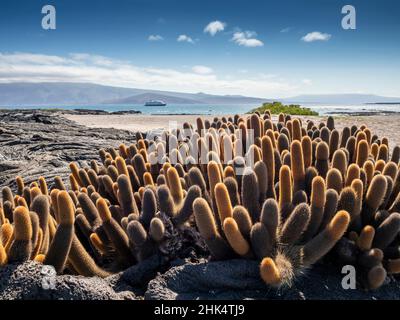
<point x="277" y="107"/>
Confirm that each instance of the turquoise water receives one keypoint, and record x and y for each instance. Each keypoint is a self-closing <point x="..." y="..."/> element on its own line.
<point x="168" y="109"/>
<point x="219" y="109"/>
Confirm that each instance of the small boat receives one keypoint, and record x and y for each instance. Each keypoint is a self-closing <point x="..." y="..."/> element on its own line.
<point x="155" y="103"/>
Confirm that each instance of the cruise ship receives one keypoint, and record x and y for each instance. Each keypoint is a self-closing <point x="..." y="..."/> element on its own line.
<point x="156" y="103"/>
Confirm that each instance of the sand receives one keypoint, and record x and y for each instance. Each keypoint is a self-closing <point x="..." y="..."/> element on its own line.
<point x="382" y="125"/>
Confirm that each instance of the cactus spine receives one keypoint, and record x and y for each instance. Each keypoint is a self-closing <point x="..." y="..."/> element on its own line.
<point x="61" y="244"/>
<point x="208" y="229"/>
<point x="115" y="233"/>
<point x="21" y="248"/>
<point x="325" y="240"/>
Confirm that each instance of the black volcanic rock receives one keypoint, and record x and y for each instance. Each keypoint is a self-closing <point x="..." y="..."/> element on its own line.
<point x="36" y="143"/>
<point x="33" y="281"/>
<point x="239" y="279"/>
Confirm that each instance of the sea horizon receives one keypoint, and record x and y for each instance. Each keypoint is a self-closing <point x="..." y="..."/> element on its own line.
<point x="215" y="109"/>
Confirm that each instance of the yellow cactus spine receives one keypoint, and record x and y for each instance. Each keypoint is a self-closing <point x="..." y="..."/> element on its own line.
<point x="115" y="233"/>
<point x="297" y="165"/>
<point x="61" y="244"/>
<point x="223" y="202"/>
<point x="21" y="248"/>
<point x="235" y="238"/>
<point x="325" y="240"/>
<point x="208" y="229"/>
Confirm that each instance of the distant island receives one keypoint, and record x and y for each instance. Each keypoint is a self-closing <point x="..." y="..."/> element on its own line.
<point x="277" y="107"/>
<point x="80" y="94"/>
<point x="340" y="99"/>
<point x="383" y="103"/>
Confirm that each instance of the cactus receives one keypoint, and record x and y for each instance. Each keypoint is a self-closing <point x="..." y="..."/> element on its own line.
<point x="186" y="210"/>
<point x="250" y="193"/>
<point x="235" y="238"/>
<point x="175" y="186"/>
<point x="82" y="262"/>
<point x="214" y="175"/>
<point x="362" y="152"/>
<point x="223" y="202"/>
<point x="138" y="201"/>
<point x="330" y="123"/>
<point x="243" y="220"/>
<point x="326" y="239"/>
<point x="387" y="231"/>
<point x="364" y="241"/>
<point x="268" y="158"/>
<point x="7" y="234"/>
<point x="261" y="172"/>
<point x="255" y="125"/>
<point x="317" y="204"/>
<point x="21" y="247"/>
<point x="149" y="207"/>
<point x="358" y="186"/>
<point x="322" y="159"/>
<point x="297" y="166"/>
<point x="390" y="170"/>
<point x="75" y="178"/>
<point x="306" y="146"/>
<point x="334" y="180"/>
<point x="208" y="229"/>
<point x="353" y="172"/>
<point x="262" y="242"/>
<point x="156" y="229"/>
<point x="232" y="187"/>
<point x="296" y="224"/>
<point x="115" y="233"/>
<point x="60" y="246"/>
<point x="395" y="155"/>
<point x="269" y="272"/>
<point x="333" y="143"/>
<point x="383" y="153"/>
<point x="7" y="195"/>
<point x="374" y="197"/>
<point x="3" y="255"/>
<point x="35" y="231"/>
<point x="125" y="196"/>
<point x="285" y="191"/>
<point x="89" y="209"/>
<point x="376" y="277"/>
<point x="339" y="162"/>
<point x="348" y="201"/>
<point x="283" y="143"/>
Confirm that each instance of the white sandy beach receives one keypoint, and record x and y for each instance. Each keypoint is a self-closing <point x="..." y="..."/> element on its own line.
<point x="382" y="125"/>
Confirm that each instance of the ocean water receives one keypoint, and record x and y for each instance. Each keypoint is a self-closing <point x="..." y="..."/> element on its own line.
<point x="214" y="109"/>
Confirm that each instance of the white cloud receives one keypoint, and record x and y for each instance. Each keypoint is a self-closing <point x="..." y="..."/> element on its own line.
<point x="267" y="75"/>
<point x="92" y="59"/>
<point x="246" y="39"/>
<point x="202" y="69"/>
<point x="155" y="37"/>
<point x="306" y="82"/>
<point x="184" y="38"/>
<point x="316" y="36"/>
<point x="214" y="27"/>
<point x="286" y="30"/>
<point x="84" y="67"/>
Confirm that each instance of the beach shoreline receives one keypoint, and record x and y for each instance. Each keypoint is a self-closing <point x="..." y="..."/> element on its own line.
<point x="382" y="125"/>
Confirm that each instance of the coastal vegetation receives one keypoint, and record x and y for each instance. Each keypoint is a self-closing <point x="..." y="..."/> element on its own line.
<point x="277" y="107"/>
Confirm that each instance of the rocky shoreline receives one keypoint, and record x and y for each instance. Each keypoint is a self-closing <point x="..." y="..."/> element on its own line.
<point x="36" y="143"/>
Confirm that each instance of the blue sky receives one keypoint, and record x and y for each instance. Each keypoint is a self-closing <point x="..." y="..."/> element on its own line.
<point x="257" y="49"/>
